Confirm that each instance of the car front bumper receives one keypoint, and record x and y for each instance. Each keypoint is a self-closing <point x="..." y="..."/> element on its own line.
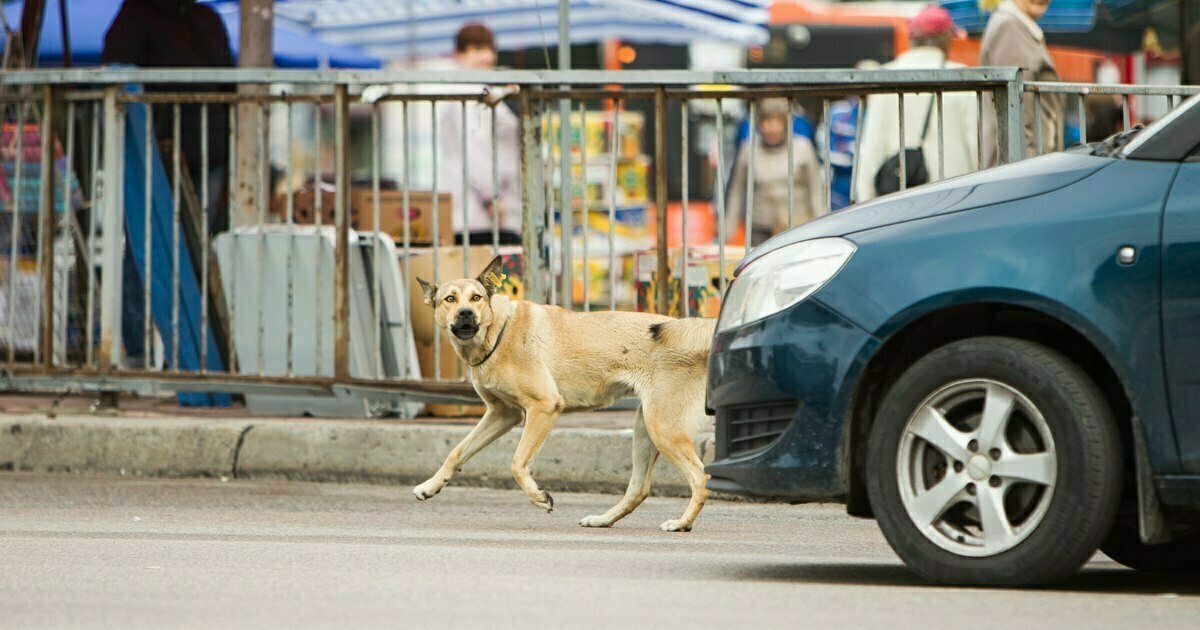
<point x="790" y="374"/>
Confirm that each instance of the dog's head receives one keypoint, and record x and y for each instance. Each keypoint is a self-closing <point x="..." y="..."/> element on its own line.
<point x="464" y="307"/>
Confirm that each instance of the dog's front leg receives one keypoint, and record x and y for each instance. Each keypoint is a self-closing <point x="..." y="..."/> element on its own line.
<point x="540" y="417"/>
<point x="496" y="422"/>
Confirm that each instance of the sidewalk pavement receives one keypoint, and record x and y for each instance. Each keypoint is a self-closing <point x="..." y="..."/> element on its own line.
<point x="587" y="452"/>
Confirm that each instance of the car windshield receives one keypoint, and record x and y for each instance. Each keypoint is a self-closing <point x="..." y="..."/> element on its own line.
<point x="1136" y="137"/>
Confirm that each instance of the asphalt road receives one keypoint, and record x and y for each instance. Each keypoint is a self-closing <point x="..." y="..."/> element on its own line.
<point x="151" y="553"/>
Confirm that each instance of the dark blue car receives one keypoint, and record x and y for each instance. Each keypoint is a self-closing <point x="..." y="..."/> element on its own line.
<point x="1003" y="369"/>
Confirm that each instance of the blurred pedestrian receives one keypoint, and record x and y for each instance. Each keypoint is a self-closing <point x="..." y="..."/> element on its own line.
<point x="930" y="34"/>
<point x="770" y="210"/>
<point x="1013" y="38"/>
<point x="475" y="49"/>
<point x="1104" y="116"/>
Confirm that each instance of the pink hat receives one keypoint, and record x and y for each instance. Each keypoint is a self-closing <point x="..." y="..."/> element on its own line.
<point x="931" y="21"/>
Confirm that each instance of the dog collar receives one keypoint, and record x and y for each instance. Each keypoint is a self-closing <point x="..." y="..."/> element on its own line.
<point x="494" y="346"/>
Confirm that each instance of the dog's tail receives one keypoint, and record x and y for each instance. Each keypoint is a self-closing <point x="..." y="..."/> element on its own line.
<point x="690" y="335"/>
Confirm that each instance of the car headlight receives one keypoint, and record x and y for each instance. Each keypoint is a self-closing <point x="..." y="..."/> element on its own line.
<point x="782" y="278"/>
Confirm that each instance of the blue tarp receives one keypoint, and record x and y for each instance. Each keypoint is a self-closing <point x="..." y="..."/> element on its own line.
<point x="1063" y="16"/>
<point x="89" y="21"/>
<point x="162" y="254"/>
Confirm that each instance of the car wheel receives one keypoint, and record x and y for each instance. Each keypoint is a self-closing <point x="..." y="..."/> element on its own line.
<point x="1180" y="557"/>
<point x="994" y="461"/>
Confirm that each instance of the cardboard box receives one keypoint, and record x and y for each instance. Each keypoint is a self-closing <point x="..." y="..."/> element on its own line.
<point x="452" y="368"/>
<point x="703" y="279"/>
<point x="391" y="212"/>
<point x="450" y="267"/>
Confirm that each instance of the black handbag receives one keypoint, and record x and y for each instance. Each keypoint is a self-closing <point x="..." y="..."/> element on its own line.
<point x="887" y="178"/>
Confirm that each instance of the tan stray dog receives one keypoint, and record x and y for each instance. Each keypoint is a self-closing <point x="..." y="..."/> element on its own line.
<point x="534" y="362"/>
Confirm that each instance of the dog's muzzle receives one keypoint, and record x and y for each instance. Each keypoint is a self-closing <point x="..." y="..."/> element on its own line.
<point x="465" y="325"/>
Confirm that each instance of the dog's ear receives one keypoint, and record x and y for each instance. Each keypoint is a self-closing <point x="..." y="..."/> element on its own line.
<point x="429" y="289"/>
<point x="491" y="278"/>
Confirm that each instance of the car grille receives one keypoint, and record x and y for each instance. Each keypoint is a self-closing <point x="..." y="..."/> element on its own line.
<point x="743" y="431"/>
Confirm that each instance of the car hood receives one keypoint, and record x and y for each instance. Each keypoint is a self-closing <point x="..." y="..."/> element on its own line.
<point x="985" y="188"/>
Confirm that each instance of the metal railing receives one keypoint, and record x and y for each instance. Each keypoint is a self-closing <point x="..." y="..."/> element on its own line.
<point x="270" y="295"/>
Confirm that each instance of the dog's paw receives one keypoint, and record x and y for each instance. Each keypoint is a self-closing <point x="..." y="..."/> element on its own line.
<point x="426" y="490"/>
<point x="595" y="521"/>
<point x="676" y="526"/>
<point x="546" y="502"/>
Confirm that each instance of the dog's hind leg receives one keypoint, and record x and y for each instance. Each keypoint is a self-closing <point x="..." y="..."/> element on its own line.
<point x="644" y="456"/>
<point x="540" y="416"/>
<point x="672" y="427"/>
<point x="496" y="422"/>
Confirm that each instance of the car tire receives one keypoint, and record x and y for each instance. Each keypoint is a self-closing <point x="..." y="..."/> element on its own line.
<point x="994" y="461"/>
<point x="1179" y="557"/>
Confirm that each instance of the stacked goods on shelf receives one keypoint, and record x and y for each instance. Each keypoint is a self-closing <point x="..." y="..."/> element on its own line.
<point x="362" y="212"/>
<point x="703" y="278"/>
<point x="633" y="167"/>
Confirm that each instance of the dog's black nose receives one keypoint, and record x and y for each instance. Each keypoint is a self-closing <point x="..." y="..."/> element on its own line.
<point x="465" y="314"/>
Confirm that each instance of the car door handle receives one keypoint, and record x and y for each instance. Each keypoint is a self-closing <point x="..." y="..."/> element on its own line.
<point x="1127" y="255"/>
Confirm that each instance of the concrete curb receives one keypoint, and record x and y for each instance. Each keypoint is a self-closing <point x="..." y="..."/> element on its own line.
<point x="582" y="460"/>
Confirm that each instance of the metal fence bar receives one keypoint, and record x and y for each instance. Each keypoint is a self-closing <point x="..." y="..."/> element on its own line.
<point x="464" y="200"/>
<point x="1131" y="90"/>
<point x="406" y="371"/>
<point x="1082" y="113"/>
<point x="752" y="150"/>
<point x="720" y="185"/>
<point x="858" y="126"/>
<point x="1010" y="131"/>
<point x="44" y="309"/>
<point x="436" y="236"/>
<point x="1125" y="111"/>
<point x="147" y="250"/>
<point x="204" y="230"/>
<point x="615" y="134"/>
<point x="495" y="186"/>
<point x="979" y="128"/>
<point x="68" y="220"/>
<point x="1037" y="123"/>
<point x="290" y="220"/>
<point x="583" y="204"/>
<point x="941" y="133"/>
<point x="15" y="237"/>
<point x="231" y="302"/>
<point x="261" y="202"/>
<point x="827" y="181"/>
<point x="903" y="153"/>
<point x="341" y="205"/>
<point x="176" y="136"/>
<point x="113" y="231"/>
<point x="93" y="202"/>
<point x="660" y="196"/>
<point x="376" y="233"/>
<point x="534" y="202"/>
<point x="565" y="218"/>
<point x="319" y="220"/>
<point x="791" y="162"/>
<point x="548" y="151"/>
<point x="683" y="185"/>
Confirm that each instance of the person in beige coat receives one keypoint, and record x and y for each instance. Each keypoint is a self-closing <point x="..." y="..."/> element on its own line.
<point x="1013" y="38"/>
<point x="770" y="210"/>
<point x="930" y="32"/>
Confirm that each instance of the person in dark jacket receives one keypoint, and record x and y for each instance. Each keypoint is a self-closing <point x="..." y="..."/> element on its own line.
<point x="177" y="34"/>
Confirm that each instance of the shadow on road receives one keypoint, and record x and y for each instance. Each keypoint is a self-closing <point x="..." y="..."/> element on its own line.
<point x="1115" y="580"/>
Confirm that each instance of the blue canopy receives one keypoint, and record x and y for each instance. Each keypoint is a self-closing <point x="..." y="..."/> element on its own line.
<point x="89" y="21"/>
<point x="397" y="28"/>
<point x="1063" y="16"/>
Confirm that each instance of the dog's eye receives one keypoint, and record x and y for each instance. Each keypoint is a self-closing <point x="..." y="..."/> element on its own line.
<point x="476" y="297"/>
<point x="451" y="299"/>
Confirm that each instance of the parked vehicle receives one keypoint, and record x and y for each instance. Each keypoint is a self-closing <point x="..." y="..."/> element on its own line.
<point x="1000" y="368"/>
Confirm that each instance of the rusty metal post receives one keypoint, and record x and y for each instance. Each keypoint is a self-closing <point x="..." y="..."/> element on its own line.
<point x="47" y="227"/>
<point x="341" y="248"/>
<point x="533" y="204"/>
<point x="660" y="193"/>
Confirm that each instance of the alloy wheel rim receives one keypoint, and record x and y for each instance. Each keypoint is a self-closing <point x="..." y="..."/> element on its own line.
<point x="977" y="467"/>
